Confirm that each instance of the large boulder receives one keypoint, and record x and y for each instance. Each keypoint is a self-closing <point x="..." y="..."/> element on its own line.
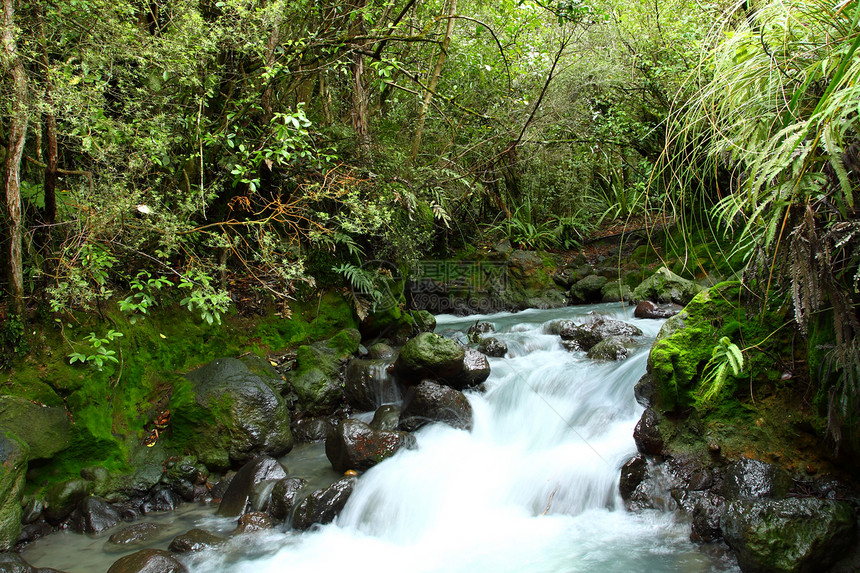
<point x="614" y="291"/>
<point x="647" y="436"/>
<point x="63" y="497"/>
<point x="753" y="479"/>
<point x="354" y="445"/>
<point x="13" y="469"/>
<point x="195" y="540"/>
<point x="240" y="490"/>
<point x="148" y="561"/>
<point x="46" y="430"/>
<point x="368" y="384"/>
<point x="649" y="309"/>
<point x="237" y="415"/>
<point x="665" y="286"/>
<point x="317" y="378"/>
<point x="492" y="346"/>
<point x="795" y="535"/>
<point x="432" y="402"/>
<point x="612" y="348"/>
<point x="323" y="505"/>
<point x="429" y="355"/>
<point x="588" y="289"/>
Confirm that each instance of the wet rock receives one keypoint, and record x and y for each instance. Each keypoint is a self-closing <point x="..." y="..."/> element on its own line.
<point x="368" y="384"/>
<point x="647" y="435"/>
<point x="312" y="429"/>
<point x="664" y="286"/>
<point x="788" y="535"/>
<point x="477" y="331"/>
<point x="588" y="289"/>
<point x="14" y="563"/>
<point x="648" y="309"/>
<point x="183" y="474"/>
<point x="94" y="515"/>
<point x="432" y="402"/>
<point x="587" y="335"/>
<point x="248" y="417"/>
<point x="323" y="505"/>
<point x="492" y="346"/>
<point x="284" y="496"/>
<point x="44" y="429"/>
<point x="32" y="511"/>
<point x="160" y="498"/>
<point x="429" y="355"/>
<point x="476" y="369"/>
<point x="645" y="390"/>
<point x="13" y="471"/>
<point x="253" y="521"/>
<point x="354" y="445"/>
<point x="612" y="348"/>
<point x="137" y="533"/>
<point x="220" y="487"/>
<point x="148" y="561"/>
<point x="386" y="418"/>
<point x="195" y="540"/>
<point x="632" y="473"/>
<point x="752" y="479"/>
<point x="261" y="495"/>
<point x="62" y="498"/>
<point x="706" y="509"/>
<point x="33" y="531"/>
<point x="316" y="379"/>
<point x="238" y="493"/>
<point x="380" y="351"/>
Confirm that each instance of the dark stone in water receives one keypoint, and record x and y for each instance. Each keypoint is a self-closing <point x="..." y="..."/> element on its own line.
<point x="647" y="434"/>
<point x="431" y="402"/>
<point x="160" y="498"/>
<point x="310" y="430"/>
<point x="137" y="533"/>
<point x="354" y="445"/>
<point x="148" y="561"/>
<point x="492" y="346"/>
<point x="648" y="309"/>
<point x="254" y="521"/>
<point x="94" y="515"/>
<point x="386" y="418"/>
<point x="367" y="385"/>
<point x="284" y="496"/>
<point x="195" y="540"/>
<point x="476" y="369"/>
<point x="238" y="494"/>
<point x="632" y="474"/>
<point x="323" y="505"/>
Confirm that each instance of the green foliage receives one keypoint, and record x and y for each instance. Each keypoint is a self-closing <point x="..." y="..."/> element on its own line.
<point x="97" y="353"/>
<point x="13" y="340"/>
<point x="203" y="297"/>
<point x="145" y="289"/>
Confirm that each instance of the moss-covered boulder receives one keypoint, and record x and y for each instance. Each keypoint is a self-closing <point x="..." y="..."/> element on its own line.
<point x="612" y="348"/>
<point x="789" y="535"/>
<point x="317" y="378"/>
<point x="588" y="334"/>
<point x="665" y="286"/>
<point x="429" y="355"/>
<point x="45" y="429"/>
<point x="13" y="469"/>
<point x="614" y="291"/>
<point x="588" y="289"/>
<point x="236" y="414"/>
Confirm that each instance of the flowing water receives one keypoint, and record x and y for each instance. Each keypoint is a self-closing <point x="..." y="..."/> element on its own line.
<point x="532" y="488"/>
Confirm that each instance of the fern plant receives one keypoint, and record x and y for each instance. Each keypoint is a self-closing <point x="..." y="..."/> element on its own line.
<point x="726" y="359"/>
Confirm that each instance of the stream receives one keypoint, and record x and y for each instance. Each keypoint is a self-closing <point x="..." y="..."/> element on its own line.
<point x="532" y="488"/>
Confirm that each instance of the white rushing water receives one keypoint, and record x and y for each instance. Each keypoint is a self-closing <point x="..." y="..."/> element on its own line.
<point x="533" y="487"/>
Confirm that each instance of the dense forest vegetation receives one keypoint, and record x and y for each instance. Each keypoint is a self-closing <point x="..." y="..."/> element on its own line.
<point x="196" y="148"/>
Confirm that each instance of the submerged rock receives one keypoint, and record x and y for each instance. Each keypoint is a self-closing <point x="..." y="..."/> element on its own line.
<point x="432" y="402"/>
<point x="789" y="535"/>
<point x="148" y="561"/>
<point x="492" y="346"/>
<point x="354" y="445"/>
<point x="323" y="505"/>
<point x="253" y="521"/>
<point x="137" y="533"/>
<point x="195" y="540"/>
<point x="612" y="348"/>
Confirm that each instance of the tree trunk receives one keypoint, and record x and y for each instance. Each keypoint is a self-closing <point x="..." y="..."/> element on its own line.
<point x="358" y="113"/>
<point x="14" y="153"/>
<point x="434" y="79"/>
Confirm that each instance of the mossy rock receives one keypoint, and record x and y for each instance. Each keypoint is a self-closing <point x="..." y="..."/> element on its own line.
<point x="666" y="286"/>
<point x="316" y="379"/>
<point x="614" y="291"/>
<point x="429" y="355"/>
<point x="588" y="289"/>
<point x="46" y="430"/>
<point x="13" y="469"/>
<point x="234" y="415"/>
